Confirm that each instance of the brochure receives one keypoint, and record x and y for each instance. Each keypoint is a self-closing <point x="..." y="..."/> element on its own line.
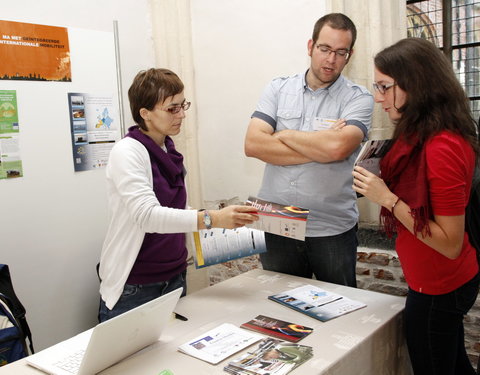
<point x="283" y="220"/>
<point x="219" y="343"/>
<point x="317" y="303"/>
<point x="371" y="153"/>
<point x="217" y="245"/>
<point x="272" y="357"/>
<point x="278" y="328"/>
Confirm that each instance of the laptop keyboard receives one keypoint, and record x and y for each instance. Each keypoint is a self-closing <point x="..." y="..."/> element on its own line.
<point x="72" y="362"/>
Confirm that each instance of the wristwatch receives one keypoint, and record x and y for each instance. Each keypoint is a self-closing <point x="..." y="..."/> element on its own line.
<point x="207" y="220"/>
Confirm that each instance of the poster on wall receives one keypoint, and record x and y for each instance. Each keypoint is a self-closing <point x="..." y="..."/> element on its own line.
<point x="94" y="127"/>
<point x="10" y="161"/>
<point x="34" y="52"/>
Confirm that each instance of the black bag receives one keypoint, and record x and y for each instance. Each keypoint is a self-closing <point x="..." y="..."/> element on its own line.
<point x="15" y="330"/>
<point x="472" y="213"/>
<point x="11" y="345"/>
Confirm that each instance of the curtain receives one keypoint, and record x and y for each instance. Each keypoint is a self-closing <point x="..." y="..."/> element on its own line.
<point x="172" y="42"/>
<point x="379" y="23"/>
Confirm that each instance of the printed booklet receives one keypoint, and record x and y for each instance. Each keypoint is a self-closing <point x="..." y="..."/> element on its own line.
<point x="219" y="343"/>
<point x="371" y="153"/>
<point x="271" y="357"/>
<point x="317" y="303"/>
<point x="278" y="328"/>
<point x="217" y="245"/>
<point x="284" y="220"/>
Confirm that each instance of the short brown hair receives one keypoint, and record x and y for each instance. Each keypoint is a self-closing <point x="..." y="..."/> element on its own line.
<point x="150" y="87"/>
<point x="337" y="21"/>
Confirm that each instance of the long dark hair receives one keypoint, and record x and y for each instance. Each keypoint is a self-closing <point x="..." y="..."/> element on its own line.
<point x="435" y="99"/>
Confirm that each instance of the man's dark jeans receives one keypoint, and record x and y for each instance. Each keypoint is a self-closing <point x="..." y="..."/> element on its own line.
<point x="331" y="259"/>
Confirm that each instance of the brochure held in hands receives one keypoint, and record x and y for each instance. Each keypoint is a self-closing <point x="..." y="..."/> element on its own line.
<point x="283" y="220"/>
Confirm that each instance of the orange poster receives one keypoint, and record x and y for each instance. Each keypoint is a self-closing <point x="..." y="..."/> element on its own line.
<point x="34" y="52"/>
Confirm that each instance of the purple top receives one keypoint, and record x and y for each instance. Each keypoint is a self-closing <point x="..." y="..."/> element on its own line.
<point x="162" y="256"/>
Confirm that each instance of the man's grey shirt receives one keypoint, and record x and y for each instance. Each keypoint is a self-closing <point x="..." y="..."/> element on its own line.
<point x="324" y="188"/>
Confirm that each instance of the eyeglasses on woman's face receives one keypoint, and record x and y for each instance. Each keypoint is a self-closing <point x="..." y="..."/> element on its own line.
<point x="175" y="108"/>
<point x="382" y="88"/>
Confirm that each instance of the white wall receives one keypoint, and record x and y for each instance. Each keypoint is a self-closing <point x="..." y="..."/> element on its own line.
<point x="53" y="220"/>
<point x="238" y="47"/>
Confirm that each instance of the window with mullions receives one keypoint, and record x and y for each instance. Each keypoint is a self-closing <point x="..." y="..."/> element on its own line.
<point x="454" y="26"/>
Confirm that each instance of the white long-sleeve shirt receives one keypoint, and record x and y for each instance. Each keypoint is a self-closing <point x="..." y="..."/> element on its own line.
<point x="133" y="211"/>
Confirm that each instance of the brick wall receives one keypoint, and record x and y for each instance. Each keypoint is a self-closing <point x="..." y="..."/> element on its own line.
<point x="378" y="269"/>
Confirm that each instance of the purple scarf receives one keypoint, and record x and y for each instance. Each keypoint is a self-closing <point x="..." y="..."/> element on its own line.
<point x="162" y="256"/>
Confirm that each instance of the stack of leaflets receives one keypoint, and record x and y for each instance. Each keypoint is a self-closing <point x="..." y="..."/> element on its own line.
<point x="219" y="343"/>
<point x="316" y="302"/>
<point x="271" y="357"/>
<point x="283" y="220"/>
<point x="278" y="328"/>
<point x="218" y="245"/>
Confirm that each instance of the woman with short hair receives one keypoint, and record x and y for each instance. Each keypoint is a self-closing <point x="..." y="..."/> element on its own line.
<point x="144" y="254"/>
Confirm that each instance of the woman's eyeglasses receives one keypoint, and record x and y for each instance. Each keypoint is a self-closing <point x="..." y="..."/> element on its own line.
<point x="174" y="109"/>
<point x="382" y="89"/>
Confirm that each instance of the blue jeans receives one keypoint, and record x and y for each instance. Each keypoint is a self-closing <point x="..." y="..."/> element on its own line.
<point x="331" y="259"/>
<point x="135" y="295"/>
<point x="434" y="330"/>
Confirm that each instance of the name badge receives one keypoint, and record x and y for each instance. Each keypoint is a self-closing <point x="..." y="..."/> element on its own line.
<point x="320" y="123"/>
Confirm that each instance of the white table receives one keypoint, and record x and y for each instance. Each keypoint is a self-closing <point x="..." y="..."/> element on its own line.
<point x="368" y="341"/>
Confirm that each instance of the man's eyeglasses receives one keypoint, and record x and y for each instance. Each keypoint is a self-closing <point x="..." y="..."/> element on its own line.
<point x="382" y="89"/>
<point x="327" y="51"/>
<point x="174" y="109"/>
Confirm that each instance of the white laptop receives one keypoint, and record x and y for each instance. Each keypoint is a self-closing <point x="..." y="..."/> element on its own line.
<point x="108" y="342"/>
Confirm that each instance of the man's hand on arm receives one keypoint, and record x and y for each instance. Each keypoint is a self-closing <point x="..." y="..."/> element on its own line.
<point x="323" y="146"/>
<point x="262" y="143"/>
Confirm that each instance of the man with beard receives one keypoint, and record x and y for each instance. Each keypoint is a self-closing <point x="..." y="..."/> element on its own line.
<point x="308" y="129"/>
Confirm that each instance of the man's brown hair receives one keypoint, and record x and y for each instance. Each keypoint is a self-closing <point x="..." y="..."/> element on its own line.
<point x="337" y="21"/>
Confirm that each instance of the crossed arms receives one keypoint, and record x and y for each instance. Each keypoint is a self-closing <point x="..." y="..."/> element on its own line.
<point x="291" y="147"/>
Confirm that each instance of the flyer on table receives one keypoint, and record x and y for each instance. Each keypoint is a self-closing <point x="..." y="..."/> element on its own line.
<point x="316" y="302"/>
<point x="219" y="343"/>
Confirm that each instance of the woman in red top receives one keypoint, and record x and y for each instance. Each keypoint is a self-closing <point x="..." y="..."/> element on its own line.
<point x="423" y="191"/>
